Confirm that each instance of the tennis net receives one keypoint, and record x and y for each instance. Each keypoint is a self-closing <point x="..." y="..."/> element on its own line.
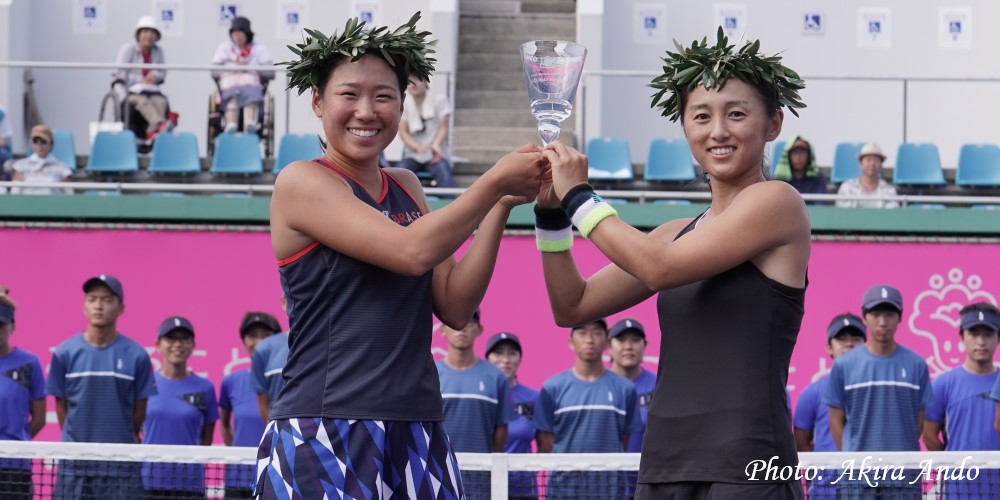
<point x="42" y="470"/>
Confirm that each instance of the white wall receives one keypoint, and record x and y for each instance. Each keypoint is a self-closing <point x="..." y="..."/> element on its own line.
<point x="844" y="102"/>
<point x="42" y="30"/>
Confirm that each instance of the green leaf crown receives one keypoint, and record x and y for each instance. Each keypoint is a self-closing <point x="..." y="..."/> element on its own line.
<point x="713" y="66"/>
<point x="315" y="52"/>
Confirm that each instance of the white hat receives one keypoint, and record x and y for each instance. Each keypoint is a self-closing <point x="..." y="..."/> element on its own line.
<point x="147" y="22"/>
<point x="871" y="149"/>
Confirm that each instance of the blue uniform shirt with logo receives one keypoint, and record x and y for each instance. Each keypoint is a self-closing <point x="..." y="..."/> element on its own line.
<point x="645" y="383"/>
<point x="236" y="396"/>
<point x="476" y="401"/>
<point x="266" y="365"/>
<point x="21" y="382"/>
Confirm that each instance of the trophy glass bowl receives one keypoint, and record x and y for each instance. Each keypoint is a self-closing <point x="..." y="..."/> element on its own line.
<point x="552" y="71"/>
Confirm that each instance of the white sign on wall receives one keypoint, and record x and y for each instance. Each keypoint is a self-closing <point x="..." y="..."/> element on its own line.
<point x="732" y="18"/>
<point x="813" y="23"/>
<point x="90" y="16"/>
<point x="649" y="23"/>
<point x="955" y="28"/>
<point x="169" y="15"/>
<point x="369" y="11"/>
<point x="227" y="11"/>
<point x="292" y="16"/>
<point x="874" y="27"/>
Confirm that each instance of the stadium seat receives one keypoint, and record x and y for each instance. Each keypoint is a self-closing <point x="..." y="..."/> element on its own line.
<point x="113" y="152"/>
<point x="985" y="207"/>
<point x="101" y="192"/>
<point x="918" y="164"/>
<point x="609" y="159"/>
<point x="926" y="206"/>
<point x="296" y="147"/>
<point x="63" y="148"/>
<point x="845" y="162"/>
<point x="175" y="153"/>
<point x="779" y="149"/>
<point x="669" y="161"/>
<point x="237" y="154"/>
<point x="978" y="166"/>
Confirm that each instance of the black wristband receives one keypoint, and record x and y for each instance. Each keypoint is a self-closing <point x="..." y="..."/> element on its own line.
<point x="551" y="219"/>
<point x="575" y="197"/>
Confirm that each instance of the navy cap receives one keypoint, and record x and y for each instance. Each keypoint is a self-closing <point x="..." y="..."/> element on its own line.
<point x="625" y="325"/>
<point x="600" y="321"/>
<point x="843" y="322"/>
<point x="882" y="294"/>
<point x="259" y="318"/>
<point x="107" y="280"/>
<point x="502" y="337"/>
<point x="6" y="314"/>
<point x="174" y="323"/>
<point x="972" y="319"/>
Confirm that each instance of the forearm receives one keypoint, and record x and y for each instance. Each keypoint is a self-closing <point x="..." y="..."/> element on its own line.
<point x="499" y="438"/>
<point x="37" y="417"/>
<point x="61" y="412"/>
<point x="407" y="137"/>
<point x="564" y="284"/>
<point x="837" y="432"/>
<point x="264" y="406"/>
<point x="227" y="434"/>
<point x="469" y="278"/>
<point x="442" y="133"/>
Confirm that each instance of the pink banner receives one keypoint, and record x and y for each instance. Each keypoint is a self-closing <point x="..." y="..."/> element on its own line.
<point x="212" y="278"/>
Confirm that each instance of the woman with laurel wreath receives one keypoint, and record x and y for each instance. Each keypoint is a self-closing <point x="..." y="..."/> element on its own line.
<point x="364" y="263"/>
<point x="730" y="282"/>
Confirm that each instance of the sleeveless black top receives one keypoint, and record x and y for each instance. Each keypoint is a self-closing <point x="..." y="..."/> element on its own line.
<point x="720" y="398"/>
<point x="361" y="341"/>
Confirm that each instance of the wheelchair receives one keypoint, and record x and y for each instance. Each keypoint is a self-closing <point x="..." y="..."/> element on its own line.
<point x="265" y="119"/>
<point x="115" y="107"/>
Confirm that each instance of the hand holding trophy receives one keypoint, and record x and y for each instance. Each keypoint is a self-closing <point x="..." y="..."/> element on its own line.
<point x="552" y="71"/>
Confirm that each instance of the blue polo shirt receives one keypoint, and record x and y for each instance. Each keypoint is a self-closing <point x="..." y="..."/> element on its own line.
<point x="476" y="401"/>
<point x="177" y="414"/>
<point x="520" y="434"/>
<point x="645" y="384"/>
<point x="266" y="365"/>
<point x="237" y="397"/>
<point x="812" y="415"/>
<point x="21" y="382"/>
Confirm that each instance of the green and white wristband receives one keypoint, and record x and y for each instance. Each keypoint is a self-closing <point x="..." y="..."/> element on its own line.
<point x="553" y="230"/>
<point x="586" y="209"/>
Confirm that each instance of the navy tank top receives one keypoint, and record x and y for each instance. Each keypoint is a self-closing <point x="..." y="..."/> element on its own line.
<point x="361" y="341"/>
<point x="720" y="399"/>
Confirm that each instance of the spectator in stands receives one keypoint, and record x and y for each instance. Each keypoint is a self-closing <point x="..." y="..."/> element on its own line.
<point x="812" y="416"/>
<point x="6" y="138"/>
<point x="239" y="411"/>
<point x="587" y="409"/>
<point x="101" y="380"/>
<point x="870" y="185"/>
<point x="183" y="412"/>
<point x="504" y="351"/>
<point x="424" y="130"/>
<point x="266" y="364"/>
<point x="41" y="166"/>
<point x="961" y="416"/>
<point x="22" y="404"/>
<point x="627" y="342"/>
<point x="477" y="402"/>
<point x="877" y="394"/>
<point x="143" y="85"/>
<point x="242" y="89"/>
<point x="797" y="166"/>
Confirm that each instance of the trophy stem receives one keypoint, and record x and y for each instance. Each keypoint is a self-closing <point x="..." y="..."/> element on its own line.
<point x="548" y="131"/>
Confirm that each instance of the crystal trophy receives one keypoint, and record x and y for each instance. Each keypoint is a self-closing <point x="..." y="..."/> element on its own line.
<point x="552" y="71"/>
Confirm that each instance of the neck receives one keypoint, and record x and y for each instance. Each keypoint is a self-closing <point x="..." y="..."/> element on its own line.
<point x="798" y="174"/>
<point x="881" y="348"/>
<point x="869" y="182"/>
<point x="979" y="367"/>
<point x="588" y="370"/>
<point x="512" y="381"/>
<point x="629" y="372"/>
<point x="367" y="172"/>
<point x="174" y="371"/>
<point x="460" y="359"/>
<point x="100" y="336"/>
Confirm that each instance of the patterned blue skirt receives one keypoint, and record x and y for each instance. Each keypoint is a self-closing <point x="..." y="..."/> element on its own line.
<point x="306" y="458"/>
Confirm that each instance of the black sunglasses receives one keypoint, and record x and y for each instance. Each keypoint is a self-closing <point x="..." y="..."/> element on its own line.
<point x="39" y="140"/>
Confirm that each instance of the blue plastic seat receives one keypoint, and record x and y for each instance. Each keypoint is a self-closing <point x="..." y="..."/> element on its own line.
<point x="845" y="162"/>
<point x="295" y="147"/>
<point x="669" y="161"/>
<point x="63" y="148"/>
<point x="237" y="154"/>
<point x="113" y="152"/>
<point x="926" y="206"/>
<point x="101" y="192"/>
<point x="175" y="153"/>
<point x="779" y="149"/>
<point x="918" y="164"/>
<point x="609" y="159"/>
<point x="985" y="207"/>
<point x="978" y="166"/>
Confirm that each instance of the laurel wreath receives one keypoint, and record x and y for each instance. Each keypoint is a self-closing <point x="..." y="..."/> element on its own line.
<point x="713" y="66"/>
<point x="405" y="43"/>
